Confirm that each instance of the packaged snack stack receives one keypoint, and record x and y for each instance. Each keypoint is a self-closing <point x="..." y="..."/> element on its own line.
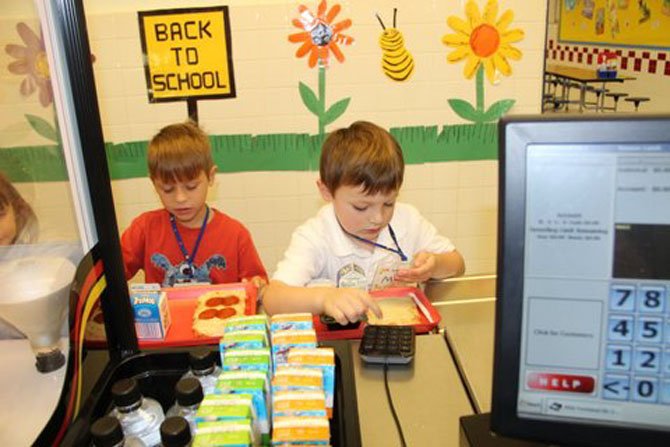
<point x="238" y="411"/>
<point x="290" y="331"/>
<point x="322" y="359"/>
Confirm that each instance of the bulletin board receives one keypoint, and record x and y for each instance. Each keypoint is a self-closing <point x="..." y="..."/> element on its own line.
<point x="639" y="23"/>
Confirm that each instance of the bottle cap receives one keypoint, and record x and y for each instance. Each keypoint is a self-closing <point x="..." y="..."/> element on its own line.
<point x="175" y="432"/>
<point x="202" y="360"/>
<point x="126" y="392"/>
<point x="188" y="391"/>
<point x="106" y="432"/>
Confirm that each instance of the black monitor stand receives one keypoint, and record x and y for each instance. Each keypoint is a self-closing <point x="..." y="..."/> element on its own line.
<point x="475" y="431"/>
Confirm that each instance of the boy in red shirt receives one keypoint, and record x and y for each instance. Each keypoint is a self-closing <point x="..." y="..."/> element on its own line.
<point x="187" y="241"/>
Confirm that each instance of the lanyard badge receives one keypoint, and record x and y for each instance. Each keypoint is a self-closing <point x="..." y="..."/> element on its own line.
<point x="397" y="250"/>
<point x="189" y="258"/>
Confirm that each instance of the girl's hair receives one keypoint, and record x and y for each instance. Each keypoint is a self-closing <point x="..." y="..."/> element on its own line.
<point x="26" y="221"/>
<point x="362" y="154"/>
<point x="179" y="152"/>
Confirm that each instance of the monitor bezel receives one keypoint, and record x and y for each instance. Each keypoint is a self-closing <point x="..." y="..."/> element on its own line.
<point x="515" y="133"/>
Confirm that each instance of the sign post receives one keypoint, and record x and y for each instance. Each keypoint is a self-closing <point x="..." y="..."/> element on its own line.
<point x="187" y="55"/>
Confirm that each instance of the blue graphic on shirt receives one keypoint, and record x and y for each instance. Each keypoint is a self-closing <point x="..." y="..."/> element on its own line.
<point x="185" y="272"/>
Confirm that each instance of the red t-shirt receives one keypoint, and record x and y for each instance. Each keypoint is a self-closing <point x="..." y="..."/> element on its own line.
<point x="226" y="253"/>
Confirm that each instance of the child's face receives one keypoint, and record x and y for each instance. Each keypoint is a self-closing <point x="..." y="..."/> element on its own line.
<point x="360" y="213"/>
<point x="186" y="199"/>
<point x="7" y="225"/>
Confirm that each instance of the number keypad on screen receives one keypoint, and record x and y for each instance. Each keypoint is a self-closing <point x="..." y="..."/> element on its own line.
<point x="637" y="356"/>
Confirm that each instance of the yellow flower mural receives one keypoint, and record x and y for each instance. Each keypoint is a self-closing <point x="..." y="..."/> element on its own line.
<point x="484" y="41"/>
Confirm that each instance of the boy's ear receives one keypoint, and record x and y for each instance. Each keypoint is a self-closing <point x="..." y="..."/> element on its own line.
<point x="325" y="192"/>
<point x="211" y="174"/>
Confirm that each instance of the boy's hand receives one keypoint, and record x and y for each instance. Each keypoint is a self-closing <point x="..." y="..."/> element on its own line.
<point x="421" y="270"/>
<point x="349" y="305"/>
<point x="256" y="281"/>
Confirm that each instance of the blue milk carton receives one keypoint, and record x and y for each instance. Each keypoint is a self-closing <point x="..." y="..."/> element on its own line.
<point x="151" y="311"/>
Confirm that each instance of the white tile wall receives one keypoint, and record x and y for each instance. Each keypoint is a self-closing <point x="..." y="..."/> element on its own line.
<point x="460" y="198"/>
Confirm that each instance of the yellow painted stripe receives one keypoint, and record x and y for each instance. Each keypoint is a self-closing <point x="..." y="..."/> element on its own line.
<point x="92" y="298"/>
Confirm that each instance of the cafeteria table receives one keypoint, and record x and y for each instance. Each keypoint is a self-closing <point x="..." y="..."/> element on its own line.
<point x="584" y="77"/>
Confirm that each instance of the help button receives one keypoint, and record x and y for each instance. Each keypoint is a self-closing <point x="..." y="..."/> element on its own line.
<point x="560" y="382"/>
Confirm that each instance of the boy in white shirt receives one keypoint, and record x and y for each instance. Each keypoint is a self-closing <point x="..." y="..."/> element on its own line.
<point x="361" y="240"/>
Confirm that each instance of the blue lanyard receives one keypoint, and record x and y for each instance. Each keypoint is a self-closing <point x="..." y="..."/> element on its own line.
<point x="396" y="250"/>
<point x="189" y="257"/>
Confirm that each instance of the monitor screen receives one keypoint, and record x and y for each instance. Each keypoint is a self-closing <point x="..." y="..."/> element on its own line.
<point x="582" y="350"/>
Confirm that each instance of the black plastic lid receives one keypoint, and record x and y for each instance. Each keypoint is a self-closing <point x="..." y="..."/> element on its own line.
<point x="106" y="432"/>
<point x="49" y="361"/>
<point x="202" y="359"/>
<point x="175" y="432"/>
<point x="188" y="392"/>
<point x="126" y="392"/>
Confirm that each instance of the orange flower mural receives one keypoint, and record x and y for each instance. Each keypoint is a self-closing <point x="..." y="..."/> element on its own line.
<point x="320" y="37"/>
<point x="484" y="41"/>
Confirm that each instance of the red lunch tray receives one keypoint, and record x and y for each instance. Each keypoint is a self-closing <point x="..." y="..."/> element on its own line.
<point x="182" y="302"/>
<point x="430" y="317"/>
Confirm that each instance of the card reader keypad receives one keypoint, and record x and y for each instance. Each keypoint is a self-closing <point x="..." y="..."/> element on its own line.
<point x="637" y="357"/>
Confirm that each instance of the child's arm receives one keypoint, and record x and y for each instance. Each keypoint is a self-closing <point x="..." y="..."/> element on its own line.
<point x="431" y="265"/>
<point x="345" y="305"/>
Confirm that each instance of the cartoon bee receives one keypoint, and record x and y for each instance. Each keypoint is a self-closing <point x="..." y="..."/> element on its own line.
<point x="397" y="62"/>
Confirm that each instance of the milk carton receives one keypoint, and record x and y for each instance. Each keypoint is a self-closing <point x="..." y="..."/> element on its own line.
<point x="150" y="308"/>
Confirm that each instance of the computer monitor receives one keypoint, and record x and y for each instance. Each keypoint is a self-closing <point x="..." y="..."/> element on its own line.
<point x="582" y="348"/>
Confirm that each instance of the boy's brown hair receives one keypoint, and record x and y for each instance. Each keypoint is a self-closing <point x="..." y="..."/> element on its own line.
<point x="178" y="152"/>
<point x="362" y="154"/>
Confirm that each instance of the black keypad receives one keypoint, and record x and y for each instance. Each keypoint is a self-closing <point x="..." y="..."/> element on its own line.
<point x="387" y="344"/>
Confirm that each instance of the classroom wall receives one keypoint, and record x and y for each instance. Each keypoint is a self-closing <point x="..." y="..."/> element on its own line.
<point x="459" y="197"/>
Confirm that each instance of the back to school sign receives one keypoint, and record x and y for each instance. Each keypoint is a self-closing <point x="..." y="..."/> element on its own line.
<point x="187" y="53"/>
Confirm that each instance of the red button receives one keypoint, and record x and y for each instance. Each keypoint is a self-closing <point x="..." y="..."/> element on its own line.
<point x="560" y="382"/>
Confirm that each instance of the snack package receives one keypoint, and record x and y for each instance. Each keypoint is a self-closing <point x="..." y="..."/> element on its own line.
<point x="301" y="430"/>
<point x="247" y="322"/>
<point x="295" y="321"/>
<point x="319" y="358"/>
<point x="247" y="360"/>
<point x="289" y="378"/>
<point x="298" y="403"/>
<point x="254" y="383"/>
<point x="284" y="340"/>
<point x="244" y="339"/>
<point x="228" y="407"/>
<point x="228" y="433"/>
<point x="217" y="408"/>
<point x="151" y="311"/>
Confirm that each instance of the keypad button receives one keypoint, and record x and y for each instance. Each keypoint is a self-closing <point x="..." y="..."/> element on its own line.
<point x="620" y="328"/>
<point x="618" y="358"/>
<point x="616" y="387"/>
<point x="665" y="391"/>
<point x="649" y="330"/>
<point x="651" y="299"/>
<point x="647" y="360"/>
<point x="622" y="297"/>
<point x="645" y="389"/>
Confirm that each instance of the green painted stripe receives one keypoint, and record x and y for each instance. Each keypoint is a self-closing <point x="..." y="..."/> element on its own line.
<point x="270" y="152"/>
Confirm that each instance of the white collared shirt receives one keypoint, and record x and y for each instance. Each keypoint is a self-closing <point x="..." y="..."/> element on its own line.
<point x="319" y="249"/>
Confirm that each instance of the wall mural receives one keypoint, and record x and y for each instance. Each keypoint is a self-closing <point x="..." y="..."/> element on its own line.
<point x="482" y="40"/>
<point x="319" y="38"/>
<point x="397" y="62"/>
<point x="31" y="62"/>
<point x="485" y="44"/>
